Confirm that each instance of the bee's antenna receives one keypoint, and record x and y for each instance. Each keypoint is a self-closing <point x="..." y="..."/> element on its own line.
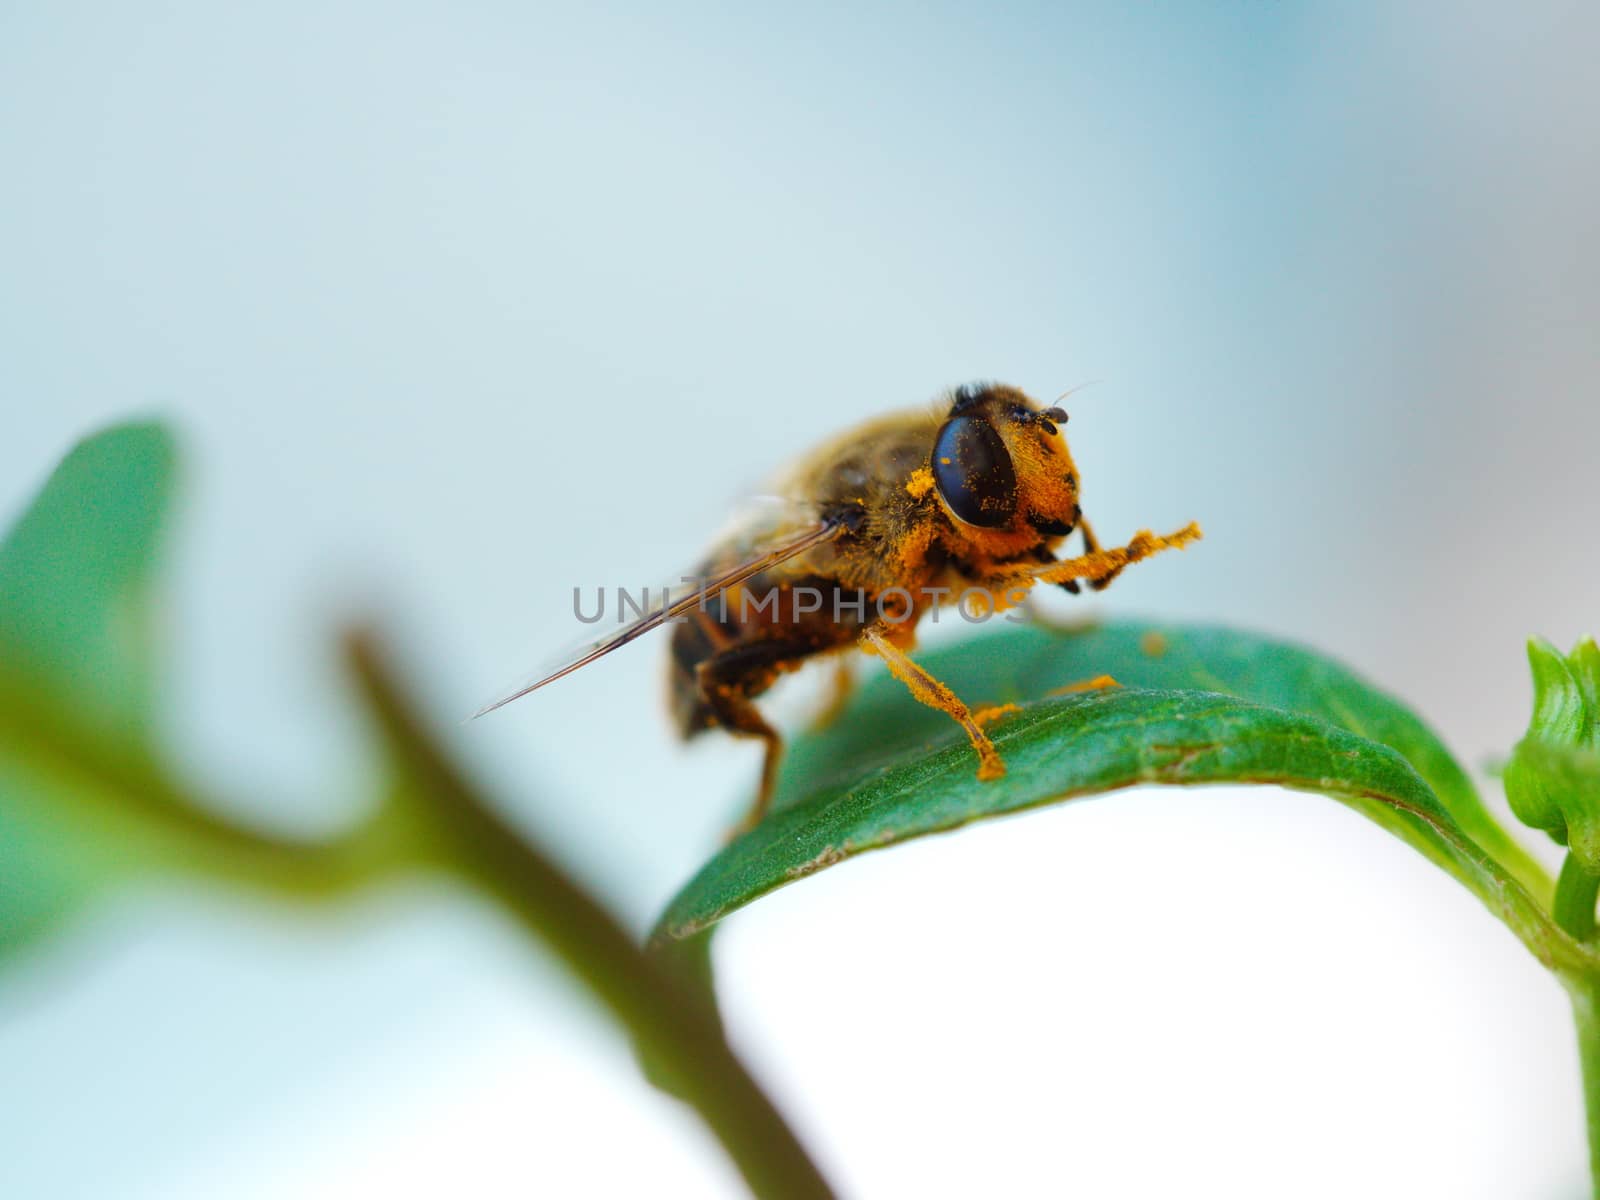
<point x="1076" y="388"/>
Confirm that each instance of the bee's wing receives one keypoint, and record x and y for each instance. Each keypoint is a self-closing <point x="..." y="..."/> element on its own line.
<point x="794" y="541"/>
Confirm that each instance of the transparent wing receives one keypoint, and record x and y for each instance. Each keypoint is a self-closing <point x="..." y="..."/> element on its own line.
<point x="762" y="554"/>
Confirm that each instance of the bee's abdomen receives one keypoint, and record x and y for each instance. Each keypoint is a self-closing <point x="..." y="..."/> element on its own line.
<point x="752" y="646"/>
<point x="695" y="640"/>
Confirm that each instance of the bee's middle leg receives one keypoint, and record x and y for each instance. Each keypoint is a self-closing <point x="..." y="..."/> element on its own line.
<point x="840" y="688"/>
<point x="935" y="695"/>
<point x="1091" y="545"/>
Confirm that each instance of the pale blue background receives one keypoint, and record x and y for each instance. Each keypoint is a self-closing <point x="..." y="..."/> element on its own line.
<point x="459" y="306"/>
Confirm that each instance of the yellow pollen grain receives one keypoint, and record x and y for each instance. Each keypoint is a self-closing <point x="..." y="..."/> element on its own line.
<point x="920" y="483"/>
<point x="1098" y="683"/>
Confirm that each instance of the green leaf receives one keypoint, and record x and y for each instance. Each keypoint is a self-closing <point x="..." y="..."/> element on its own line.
<point x="75" y="575"/>
<point x="1026" y="662"/>
<point x="1573" y="774"/>
<point x="1546" y="782"/>
<point x="1585" y="663"/>
<point x="1199" y="705"/>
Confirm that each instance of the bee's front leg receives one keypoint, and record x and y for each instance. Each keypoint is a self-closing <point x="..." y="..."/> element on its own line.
<point x="1100" y="566"/>
<point x="875" y="640"/>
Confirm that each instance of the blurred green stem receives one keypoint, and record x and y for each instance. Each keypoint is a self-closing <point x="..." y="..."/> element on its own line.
<point x="125" y="784"/>
<point x="676" y="1028"/>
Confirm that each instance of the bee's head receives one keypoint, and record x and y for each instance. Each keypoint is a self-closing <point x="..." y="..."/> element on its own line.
<point x="1001" y="465"/>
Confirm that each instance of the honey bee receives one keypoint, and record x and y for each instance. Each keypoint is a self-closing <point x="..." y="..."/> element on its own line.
<point x="966" y="502"/>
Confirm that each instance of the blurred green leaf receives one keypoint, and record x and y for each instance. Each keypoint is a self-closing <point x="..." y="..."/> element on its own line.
<point x="1199" y="705"/>
<point x="76" y="569"/>
<point x="75" y="574"/>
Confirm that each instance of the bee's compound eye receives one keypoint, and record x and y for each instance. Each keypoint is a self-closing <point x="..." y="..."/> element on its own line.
<point x="973" y="472"/>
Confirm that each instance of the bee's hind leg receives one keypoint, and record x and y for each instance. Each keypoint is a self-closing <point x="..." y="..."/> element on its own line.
<point x="875" y="640"/>
<point x="723" y="681"/>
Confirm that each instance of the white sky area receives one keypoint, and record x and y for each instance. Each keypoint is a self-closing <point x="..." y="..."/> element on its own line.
<point x="457" y="307"/>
